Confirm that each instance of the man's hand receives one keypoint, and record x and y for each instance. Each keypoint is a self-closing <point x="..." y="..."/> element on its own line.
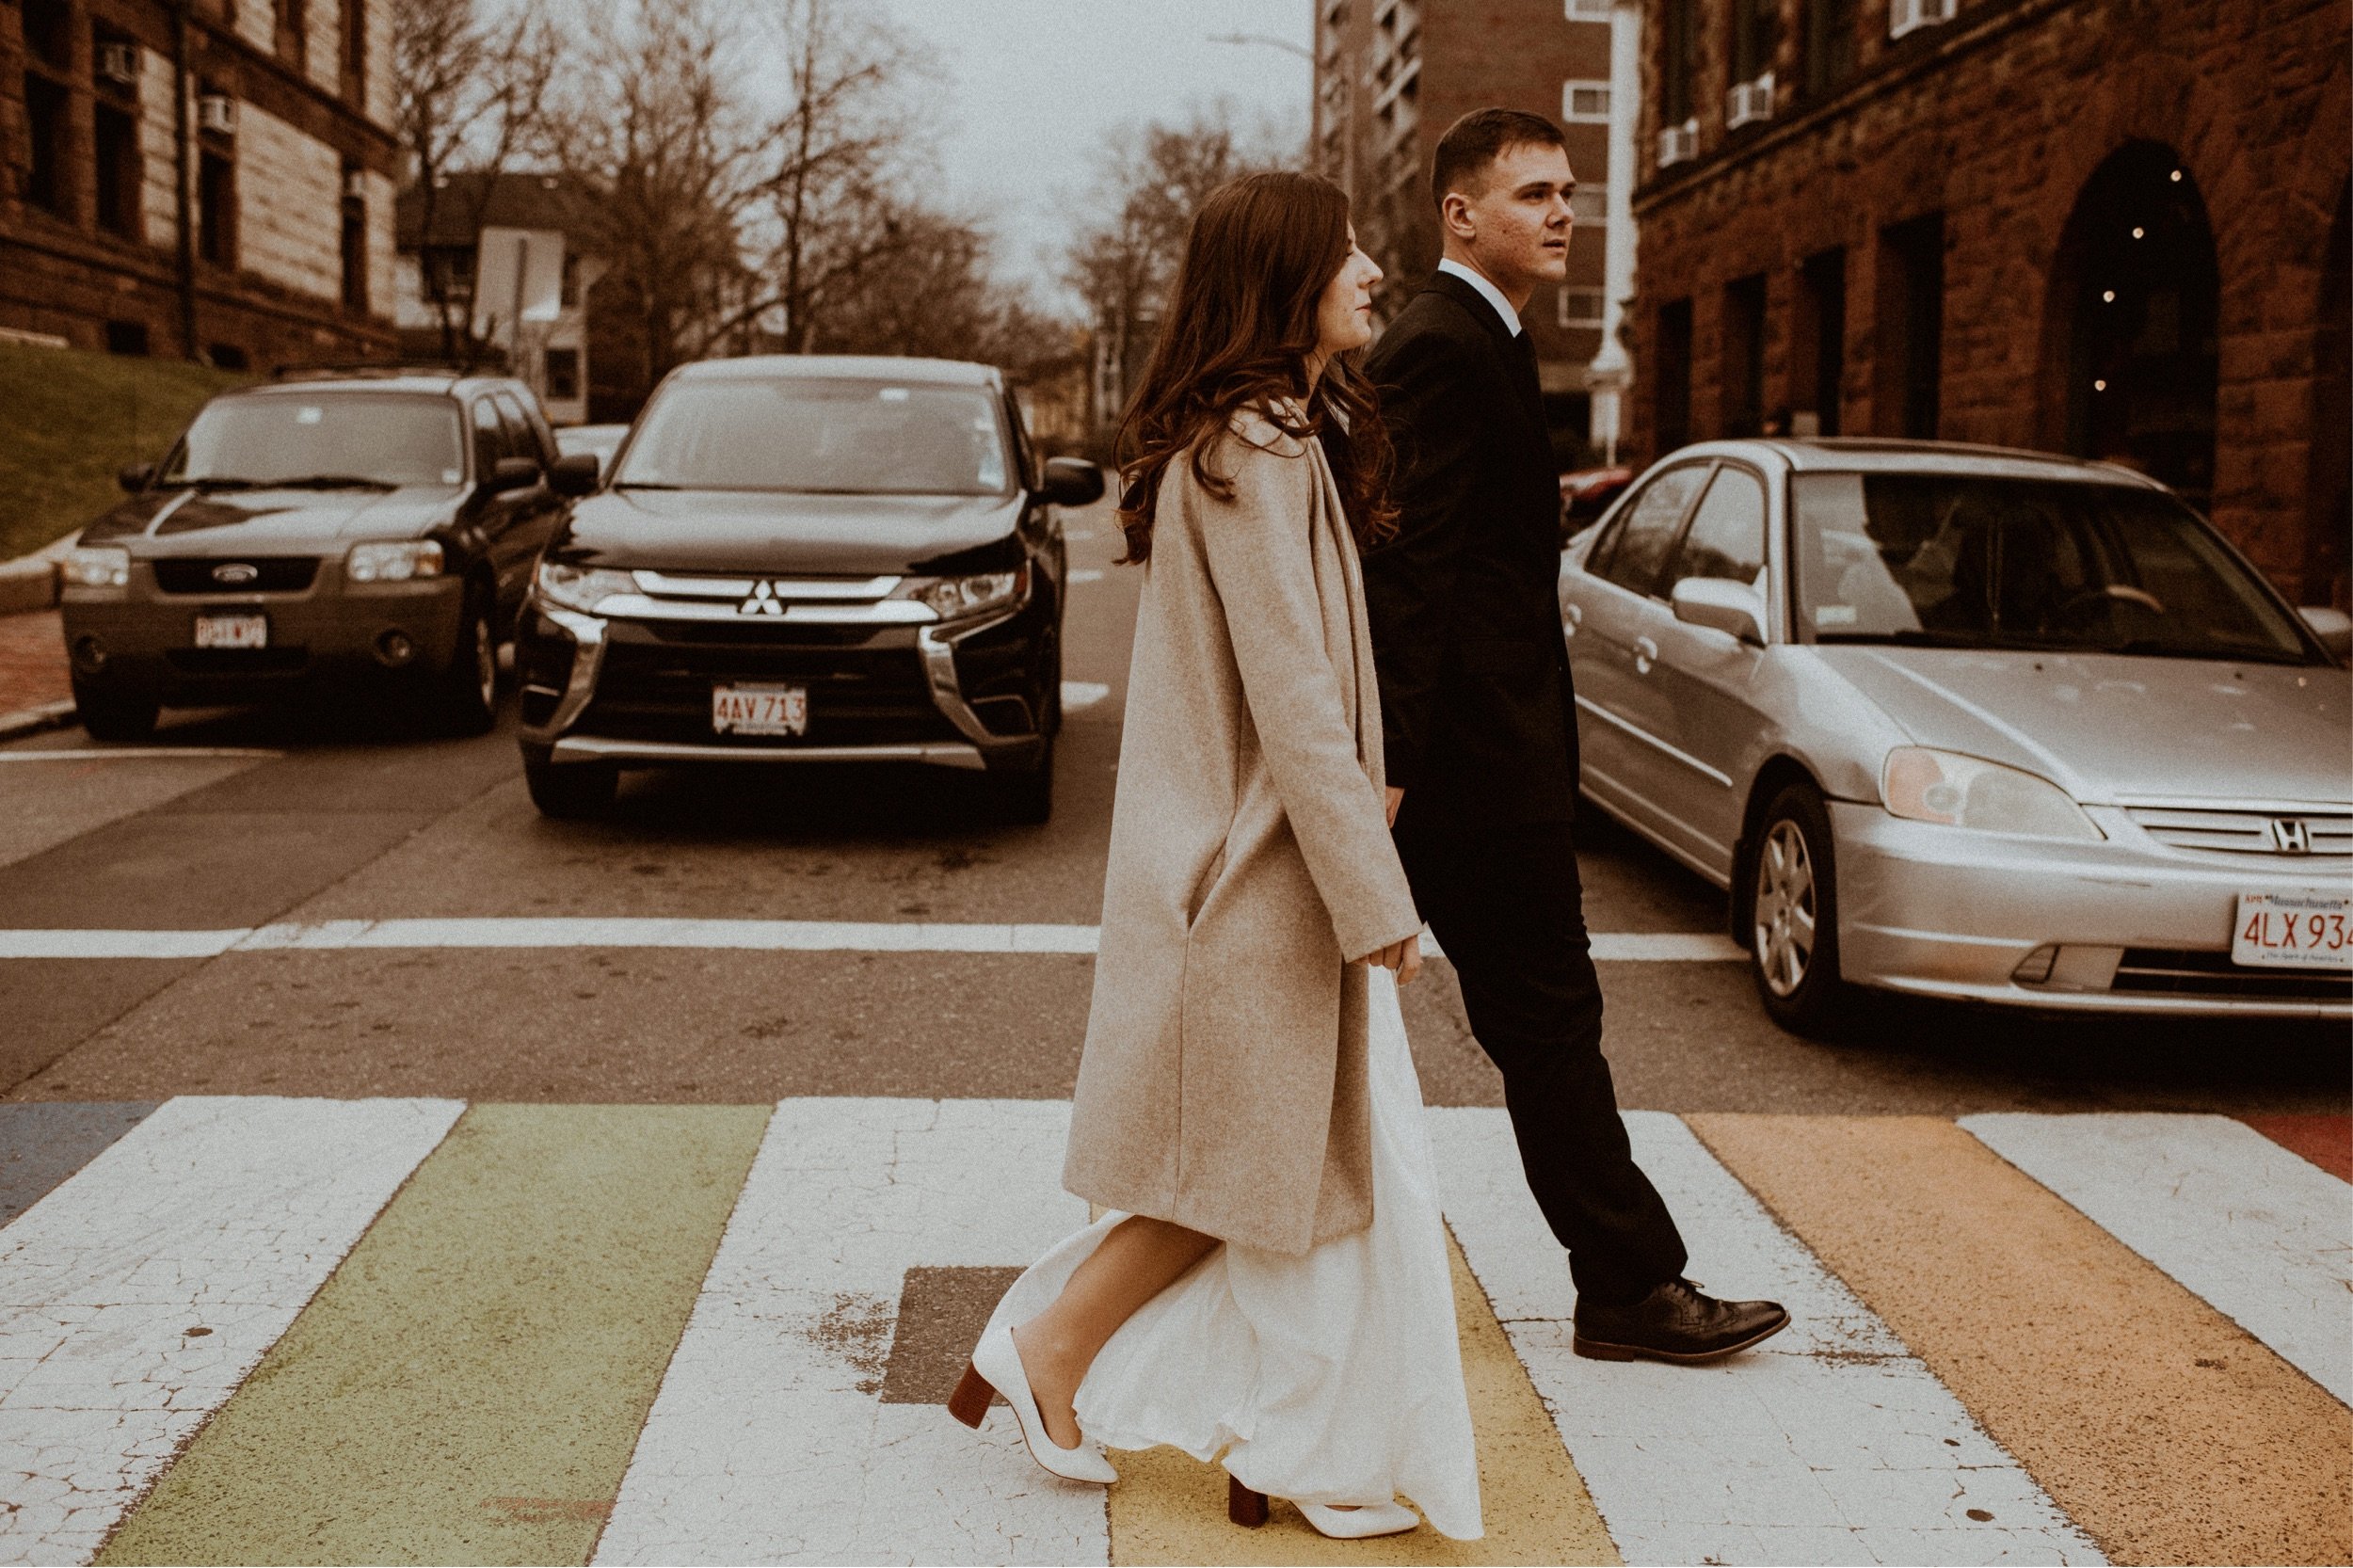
<point x="1404" y="957"/>
<point x="1397" y="798"/>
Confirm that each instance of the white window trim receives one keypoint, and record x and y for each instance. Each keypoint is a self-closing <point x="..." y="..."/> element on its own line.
<point x="1570" y="89"/>
<point x="1593" y="193"/>
<point x="1587" y="10"/>
<point x="1567" y="318"/>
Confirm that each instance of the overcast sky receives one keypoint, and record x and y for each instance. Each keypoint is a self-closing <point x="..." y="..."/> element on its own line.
<point x="1032" y="87"/>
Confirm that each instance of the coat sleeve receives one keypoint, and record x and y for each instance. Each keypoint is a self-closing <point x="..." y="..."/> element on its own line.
<point x="1435" y="422"/>
<point x="1260" y="560"/>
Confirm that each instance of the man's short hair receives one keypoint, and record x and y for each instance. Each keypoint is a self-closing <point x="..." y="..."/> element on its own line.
<point x="1477" y="139"/>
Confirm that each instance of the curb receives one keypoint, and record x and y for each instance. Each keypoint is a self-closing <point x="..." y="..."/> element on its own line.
<point x="29" y="583"/>
<point x="32" y="721"/>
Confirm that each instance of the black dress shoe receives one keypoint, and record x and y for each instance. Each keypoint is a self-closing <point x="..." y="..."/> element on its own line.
<point x="1675" y="1322"/>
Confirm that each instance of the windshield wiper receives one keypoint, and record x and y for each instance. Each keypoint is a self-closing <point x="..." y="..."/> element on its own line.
<point x="2157" y="648"/>
<point x="645" y="485"/>
<point x="333" y="482"/>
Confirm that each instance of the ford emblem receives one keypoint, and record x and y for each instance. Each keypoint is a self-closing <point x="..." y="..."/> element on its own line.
<point x="235" y="574"/>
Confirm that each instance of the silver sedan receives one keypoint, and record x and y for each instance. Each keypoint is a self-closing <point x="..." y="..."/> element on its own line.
<point x="1972" y="724"/>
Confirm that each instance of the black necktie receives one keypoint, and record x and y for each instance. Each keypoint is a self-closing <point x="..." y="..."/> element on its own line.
<point x="1525" y="346"/>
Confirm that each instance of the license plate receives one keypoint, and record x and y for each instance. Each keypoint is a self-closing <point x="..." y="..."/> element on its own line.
<point x="741" y="710"/>
<point x="2293" y="931"/>
<point x="233" y="631"/>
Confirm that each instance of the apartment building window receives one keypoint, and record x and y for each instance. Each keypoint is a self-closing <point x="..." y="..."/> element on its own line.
<point x="216" y="208"/>
<point x="293" y="30"/>
<point x="563" y="365"/>
<point x="1755" y="32"/>
<point x="49" y="33"/>
<point x="1671" y="390"/>
<point x="1743" y="373"/>
<point x="1910" y="321"/>
<point x="1829" y="46"/>
<point x="354" y="244"/>
<point x="1585" y="102"/>
<point x="1818" y="345"/>
<point x="1579" y="307"/>
<point x="1588" y="10"/>
<point x="1678" y="63"/>
<point x="115" y="136"/>
<point x="355" y="39"/>
<point x="1590" y="203"/>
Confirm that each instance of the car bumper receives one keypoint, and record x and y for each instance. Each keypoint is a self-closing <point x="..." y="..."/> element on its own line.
<point x="638" y="693"/>
<point x="140" y="640"/>
<point x="1935" y="911"/>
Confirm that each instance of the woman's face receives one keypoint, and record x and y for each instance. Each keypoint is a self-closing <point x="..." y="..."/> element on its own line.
<point x="1344" y="314"/>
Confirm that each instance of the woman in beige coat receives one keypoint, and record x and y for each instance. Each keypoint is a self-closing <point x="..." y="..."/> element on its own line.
<point x="1246" y="1102"/>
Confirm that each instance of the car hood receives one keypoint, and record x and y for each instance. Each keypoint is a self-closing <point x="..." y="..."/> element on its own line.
<point x="185" y="522"/>
<point x="757" y="532"/>
<point x="2113" y="726"/>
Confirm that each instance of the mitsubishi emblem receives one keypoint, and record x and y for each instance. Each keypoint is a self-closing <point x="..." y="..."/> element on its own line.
<point x="2291" y="836"/>
<point x="762" y="602"/>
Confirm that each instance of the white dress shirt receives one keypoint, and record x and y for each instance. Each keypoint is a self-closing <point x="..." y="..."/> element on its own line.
<point x="1488" y="291"/>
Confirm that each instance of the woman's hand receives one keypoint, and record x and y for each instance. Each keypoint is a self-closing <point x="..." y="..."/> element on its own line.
<point x="1404" y="957"/>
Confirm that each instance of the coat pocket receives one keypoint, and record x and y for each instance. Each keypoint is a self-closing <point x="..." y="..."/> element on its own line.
<point x="1203" y="887"/>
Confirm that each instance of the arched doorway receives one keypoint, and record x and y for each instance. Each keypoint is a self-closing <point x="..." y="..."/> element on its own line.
<point x="2138" y="295"/>
<point x="2328" y="495"/>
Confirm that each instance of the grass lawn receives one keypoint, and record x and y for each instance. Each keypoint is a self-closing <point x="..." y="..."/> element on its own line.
<point x="68" y="418"/>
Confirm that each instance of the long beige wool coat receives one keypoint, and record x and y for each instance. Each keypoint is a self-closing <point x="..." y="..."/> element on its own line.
<point x="1223" y="1082"/>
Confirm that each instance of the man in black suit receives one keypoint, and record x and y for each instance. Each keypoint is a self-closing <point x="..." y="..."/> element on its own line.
<point x="1481" y="723"/>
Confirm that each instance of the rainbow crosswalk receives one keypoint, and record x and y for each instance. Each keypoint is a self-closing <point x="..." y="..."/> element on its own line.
<point x="256" y="1330"/>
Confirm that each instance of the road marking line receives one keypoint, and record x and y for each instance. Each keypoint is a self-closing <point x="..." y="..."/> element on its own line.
<point x="643" y="932"/>
<point x="768" y="1443"/>
<point x="469" y="1385"/>
<point x="1086" y="574"/>
<point x="2260" y="1232"/>
<point x="134" y="754"/>
<point x="1830" y="1442"/>
<point x="2166" y="1432"/>
<point x="223" y="1215"/>
<point x="2323" y="1139"/>
<point x="1084" y="694"/>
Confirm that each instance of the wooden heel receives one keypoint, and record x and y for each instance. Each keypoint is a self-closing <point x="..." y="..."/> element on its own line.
<point x="1244" y="1507"/>
<point x="969" y="1402"/>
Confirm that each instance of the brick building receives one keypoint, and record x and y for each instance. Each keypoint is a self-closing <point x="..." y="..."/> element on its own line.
<point x="202" y="178"/>
<point x="2115" y="228"/>
<point x="1391" y="75"/>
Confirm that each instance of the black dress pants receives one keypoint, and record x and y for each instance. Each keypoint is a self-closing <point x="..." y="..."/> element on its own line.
<point x="1505" y="903"/>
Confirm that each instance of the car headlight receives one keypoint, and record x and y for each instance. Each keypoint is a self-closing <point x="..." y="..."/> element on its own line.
<point x="580" y="587"/>
<point x="1922" y="784"/>
<point x="952" y="597"/>
<point x="397" y="561"/>
<point x="98" y="566"/>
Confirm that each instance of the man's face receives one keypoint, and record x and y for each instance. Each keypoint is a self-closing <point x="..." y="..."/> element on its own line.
<point x="1516" y="226"/>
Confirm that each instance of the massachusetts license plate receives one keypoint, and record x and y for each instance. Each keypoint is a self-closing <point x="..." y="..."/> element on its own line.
<point x="233" y="631"/>
<point x="2293" y="931"/>
<point x="748" y="710"/>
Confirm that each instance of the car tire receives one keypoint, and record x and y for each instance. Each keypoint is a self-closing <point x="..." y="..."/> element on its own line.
<point x="464" y="696"/>
<point x="1792" y="926"/>
<point x="115" y="715"/>
<point x="1025" y="796"/>
<point x="568" y="790"/>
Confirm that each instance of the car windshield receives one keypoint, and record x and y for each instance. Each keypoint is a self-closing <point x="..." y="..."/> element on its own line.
<point x="1954" y="561"/>
<point x="375" y="439"/>
<point x="824" y="435"/>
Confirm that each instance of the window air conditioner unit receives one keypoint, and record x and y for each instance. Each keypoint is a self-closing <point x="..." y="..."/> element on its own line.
<point x="356" y="184"/>
<point x="216" y="111"/>
<point x="1749" y="101"/>
<point x="1910" y="16"/>
<point x="1588" y="10"/>
<point x="1679" y="144"/>
<point x="120" y="62"/>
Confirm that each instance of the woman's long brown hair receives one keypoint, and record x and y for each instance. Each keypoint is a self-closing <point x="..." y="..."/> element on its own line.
<point x="1238" y="332"/>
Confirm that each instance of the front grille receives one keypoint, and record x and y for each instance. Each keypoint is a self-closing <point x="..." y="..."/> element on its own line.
<point x="2241" y="832"/>
<point x="2179" y="972"/>
<point x="239" y="661"/>
<point x="857" y="695"/>
<point x="274" y="574"/>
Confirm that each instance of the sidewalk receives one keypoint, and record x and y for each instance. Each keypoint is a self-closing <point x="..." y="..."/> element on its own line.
<point x="32" y="665"/>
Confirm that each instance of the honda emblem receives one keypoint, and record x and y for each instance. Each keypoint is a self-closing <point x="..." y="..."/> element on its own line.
<point x="2291" y="836"/>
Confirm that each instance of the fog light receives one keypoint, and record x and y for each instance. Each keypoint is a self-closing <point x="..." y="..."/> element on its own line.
<point x="395" y="649"/>
<point x="2036" y="967"/>
<point x="89" y="655"/>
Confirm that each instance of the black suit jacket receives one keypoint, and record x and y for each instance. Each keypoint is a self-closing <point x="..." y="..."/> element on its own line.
<point x="1477" y="707"/>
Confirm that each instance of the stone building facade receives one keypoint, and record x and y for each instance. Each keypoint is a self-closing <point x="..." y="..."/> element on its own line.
<point x="1391" y="75"/>
<point x="209" y="179"/>
<point x="2115" y="228"/>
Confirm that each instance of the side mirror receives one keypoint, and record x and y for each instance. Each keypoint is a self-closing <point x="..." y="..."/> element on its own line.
<point x="512" y="474"/>
<point x="1072" y="482"/>
<point x="575" y="475"/>
<point x="136" y="477"/>
<point x="1722" y="604"/>
<point x="2334" y="629"/>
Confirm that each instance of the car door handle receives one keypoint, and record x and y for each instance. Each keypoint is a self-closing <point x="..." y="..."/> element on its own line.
<point x="1645" y="655"/>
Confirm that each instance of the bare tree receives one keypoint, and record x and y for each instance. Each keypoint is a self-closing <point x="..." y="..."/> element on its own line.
<point x="474" y="89"/>
<point x="936" y="298"/>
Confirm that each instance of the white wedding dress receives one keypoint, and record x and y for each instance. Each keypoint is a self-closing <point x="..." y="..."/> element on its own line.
<point x="1332" y="1377"/>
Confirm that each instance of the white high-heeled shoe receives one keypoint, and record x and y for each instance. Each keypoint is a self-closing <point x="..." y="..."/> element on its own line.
<point x="1250" y="1508"/>
<point x="996" y="1364"/>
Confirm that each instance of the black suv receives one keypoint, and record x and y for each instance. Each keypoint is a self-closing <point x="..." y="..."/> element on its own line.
<point x="383" y="523"/>
<point x="808" y="559"/>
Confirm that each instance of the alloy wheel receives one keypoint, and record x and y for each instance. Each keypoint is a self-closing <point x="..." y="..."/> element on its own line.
<point x="1786" y="908"/>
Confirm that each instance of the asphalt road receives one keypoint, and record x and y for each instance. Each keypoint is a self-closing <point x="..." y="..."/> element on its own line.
<point x="246" y="819"/>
